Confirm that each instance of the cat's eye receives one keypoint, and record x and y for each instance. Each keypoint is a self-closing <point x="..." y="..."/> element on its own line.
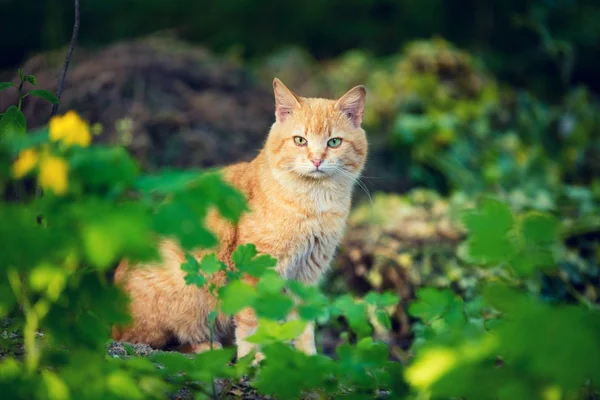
<point x="300" y="141"/>
<point x="335" y="142"/>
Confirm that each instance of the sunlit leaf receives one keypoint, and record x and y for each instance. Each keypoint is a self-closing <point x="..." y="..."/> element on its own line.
<point x="236" y="295"/>
<point x="246" y="260"/>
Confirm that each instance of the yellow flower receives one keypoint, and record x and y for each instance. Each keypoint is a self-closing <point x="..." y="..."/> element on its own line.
<point x="53" y="174"/>
<point x="25" y="163"/>
<point x="71" y="129"/>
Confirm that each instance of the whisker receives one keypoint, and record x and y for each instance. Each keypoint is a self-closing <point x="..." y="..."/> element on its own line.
<point x="358" y="181"/>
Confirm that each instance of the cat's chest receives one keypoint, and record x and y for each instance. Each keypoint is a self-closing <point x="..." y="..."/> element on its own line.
<point x="302" y="234"/>
<point x="310" y="247"/>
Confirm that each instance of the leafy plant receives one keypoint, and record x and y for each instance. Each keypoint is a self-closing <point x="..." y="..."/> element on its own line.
<point x="13" y="119"/>
<point x="94" y="208"/>
<point x="513" y="345"/>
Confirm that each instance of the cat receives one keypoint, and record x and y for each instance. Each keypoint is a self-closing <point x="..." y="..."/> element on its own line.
<point x="299" y="191"/>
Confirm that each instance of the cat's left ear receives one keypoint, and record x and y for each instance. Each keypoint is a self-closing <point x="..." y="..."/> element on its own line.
<point x="353" y="104"/>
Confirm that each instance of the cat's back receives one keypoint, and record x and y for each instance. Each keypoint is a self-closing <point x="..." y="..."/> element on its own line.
<point x="241" y="176"/>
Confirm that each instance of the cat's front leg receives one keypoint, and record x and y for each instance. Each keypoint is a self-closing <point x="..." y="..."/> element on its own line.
<point x="306" y="341"/>
<point x="245" y="326"/>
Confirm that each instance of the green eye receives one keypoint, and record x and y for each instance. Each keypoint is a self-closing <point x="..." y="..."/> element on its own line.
<point x="300" y="141"/>
<point x="335" y="142"/>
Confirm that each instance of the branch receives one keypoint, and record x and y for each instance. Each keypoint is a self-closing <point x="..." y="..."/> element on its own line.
<point x="68" y="59"/>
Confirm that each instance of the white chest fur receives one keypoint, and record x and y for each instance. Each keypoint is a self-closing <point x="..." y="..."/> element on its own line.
<point x="312" y="250"/>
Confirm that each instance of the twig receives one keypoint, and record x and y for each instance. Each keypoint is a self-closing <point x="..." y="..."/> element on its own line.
<point x="68" y="59"/>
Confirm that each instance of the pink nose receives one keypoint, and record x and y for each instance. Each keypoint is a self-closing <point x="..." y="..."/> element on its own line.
<point x="316" y="162"/>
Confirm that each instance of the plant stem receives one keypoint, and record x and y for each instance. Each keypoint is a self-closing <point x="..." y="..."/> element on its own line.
<point x="68" y="58"/>
<point x="212" y="335"/>
<point x="20" y="95"/>
<point x="32" y="353"/>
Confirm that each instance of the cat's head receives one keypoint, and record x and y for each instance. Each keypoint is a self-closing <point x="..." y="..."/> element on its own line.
<point x="318" y="139"/>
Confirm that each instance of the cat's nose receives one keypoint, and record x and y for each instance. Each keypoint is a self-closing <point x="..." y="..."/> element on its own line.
<point x="316" y="162"/>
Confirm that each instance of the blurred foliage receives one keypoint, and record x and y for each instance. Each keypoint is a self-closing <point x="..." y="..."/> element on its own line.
<point x="512" y="344"/>
<point x="402" y="243"/>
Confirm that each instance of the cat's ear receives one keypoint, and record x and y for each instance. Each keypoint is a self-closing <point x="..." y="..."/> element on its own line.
<point x="286" y="102"/>
<point x="353" y="104"/>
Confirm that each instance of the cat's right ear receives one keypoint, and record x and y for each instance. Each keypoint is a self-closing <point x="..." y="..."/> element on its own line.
<point x="286" y="102"/>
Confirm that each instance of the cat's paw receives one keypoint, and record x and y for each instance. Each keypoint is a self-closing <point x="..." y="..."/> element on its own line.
<point x="200" y="347"/>
<point x="306" y="346"/>
<point x="258" y="357"/>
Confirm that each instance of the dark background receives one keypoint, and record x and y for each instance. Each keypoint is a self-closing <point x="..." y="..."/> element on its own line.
<point x="541" y="45"/>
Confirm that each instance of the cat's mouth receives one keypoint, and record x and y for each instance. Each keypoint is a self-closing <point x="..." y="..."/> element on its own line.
<point x="317" y="173"/>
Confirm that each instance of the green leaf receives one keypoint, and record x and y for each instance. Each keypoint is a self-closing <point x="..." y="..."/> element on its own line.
<point x="56" y="389"/>
<point x="129" y="349"/>
<point x="314" y="305"/>
<point x="172" y="361"/>
<point x="357" y="363"/>
<point x="271" y="282"/>
<point x="273" y="305"/>
<point x="101" y="169"/>
<point x="432" y="304"/>
<point x="191" y="269"/>
<point x="230" y="202"/>
<point x="18" y="226"/>
<point x="110" y="233"/>
<point x="168" y="182"/>
<point x="211" y="264"/>
<point x="45" y="95"/>
<point x="540" y="236"/>
<point x="384" y="319"/>
<point x="213" y="364"/>
<point x="31" y="79"/>
<point x="535" y="355"/>
<point x="246" y="260"/>
<point x="539" y="228"/>
<point x="236" y="295"/>
<point x="269" y="331"/>
<point x="177" y="219"/>
<point x="5" y="85"/>
<point x="13" y="122"/>
<point x="288" y="373"/>
<point x="18" y="143"/>
<point x="355" y="312"/>
<point x="385" y="299"/>
<point x="7" y="299"/>
<point x="121" y="384"/>
<point x="491" y="237"/>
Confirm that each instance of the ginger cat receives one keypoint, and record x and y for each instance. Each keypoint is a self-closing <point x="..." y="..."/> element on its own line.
<point x="298" y="189"/>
